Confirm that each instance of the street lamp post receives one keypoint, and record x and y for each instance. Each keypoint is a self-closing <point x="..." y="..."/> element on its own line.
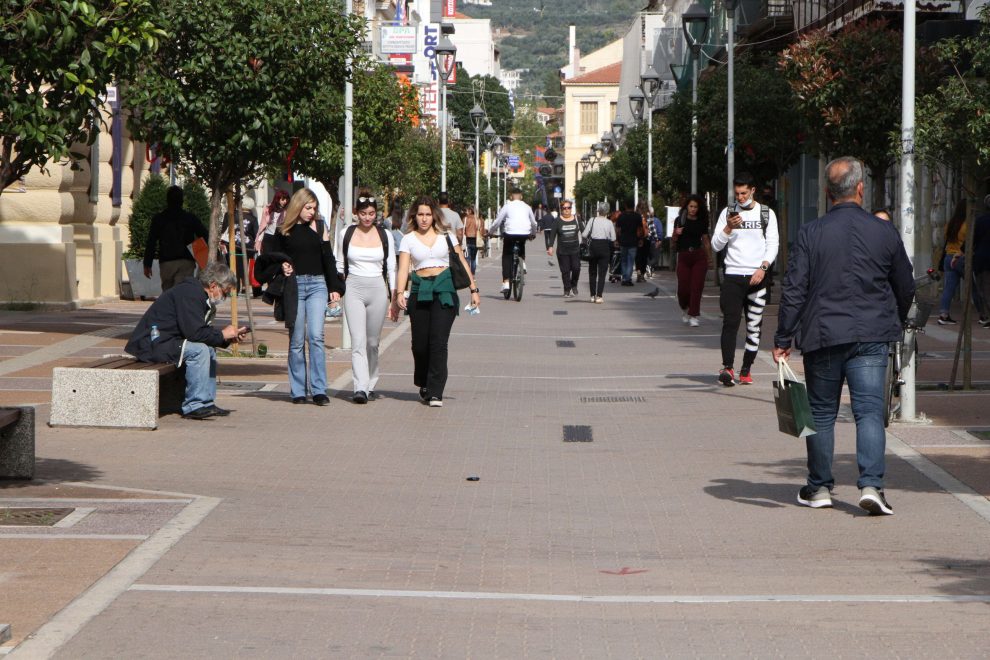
<point x="445" y="55"/>
<point x="730" y="48"/>
<point x="477" y="116"/>
<point x="650" y="83"/>
<point x="497" y="146"/>
<point x="490" y="136"/>
<point x="695" y="24"/>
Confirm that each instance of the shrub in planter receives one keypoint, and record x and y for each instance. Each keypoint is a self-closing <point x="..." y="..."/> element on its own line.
<point x="151" y="201"/>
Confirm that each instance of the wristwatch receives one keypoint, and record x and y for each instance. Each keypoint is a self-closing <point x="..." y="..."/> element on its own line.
<point x="764" y="267"/>
<point x="475" y="290"/>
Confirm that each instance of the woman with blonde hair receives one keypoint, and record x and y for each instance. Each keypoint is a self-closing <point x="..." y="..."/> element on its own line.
<point x="302" y="238"/>
<point x="433" y="303"/>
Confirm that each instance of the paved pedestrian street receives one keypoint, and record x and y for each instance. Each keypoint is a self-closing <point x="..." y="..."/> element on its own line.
<point x="588" y="490"/>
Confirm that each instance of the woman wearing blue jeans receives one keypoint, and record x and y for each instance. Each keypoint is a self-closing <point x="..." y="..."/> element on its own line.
<point x="954" y="264"/>
<point x="304" y="240"/>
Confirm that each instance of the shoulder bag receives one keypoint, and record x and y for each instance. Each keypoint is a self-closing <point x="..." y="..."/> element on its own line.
<point x="457" y="271"/>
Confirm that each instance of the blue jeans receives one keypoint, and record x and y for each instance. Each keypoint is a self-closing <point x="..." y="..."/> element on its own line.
<point x="308" y="328"/>
<point x="864" y="366"/>
<point x="628" y="259"/>
<point x="953" y="278"/>
<point x="200" y="361"/>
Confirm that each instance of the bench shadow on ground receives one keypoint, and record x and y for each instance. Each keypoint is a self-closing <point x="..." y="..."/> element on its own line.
<point x="957" y="575"/>
<point x="54" y="470"/>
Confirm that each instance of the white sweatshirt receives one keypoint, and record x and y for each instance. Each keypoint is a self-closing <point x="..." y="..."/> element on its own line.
<point x="516" y="219"/>
<point x="745" y="247"/>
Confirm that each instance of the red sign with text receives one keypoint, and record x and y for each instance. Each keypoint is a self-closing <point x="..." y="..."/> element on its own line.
<point x="449" y="8"/>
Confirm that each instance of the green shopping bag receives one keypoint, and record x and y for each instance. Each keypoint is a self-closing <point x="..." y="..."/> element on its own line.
<point x="793" y="408"/>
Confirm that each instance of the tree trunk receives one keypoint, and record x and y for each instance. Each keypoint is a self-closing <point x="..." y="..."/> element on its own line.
<point x="216" y="196"/>
<point x="879" y="187"/>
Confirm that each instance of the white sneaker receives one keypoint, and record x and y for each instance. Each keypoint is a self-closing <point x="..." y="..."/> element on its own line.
<point x="694" y="322"/>
<point x="505" y="286"/>
<point x="599" y="300"/>
<point x="436" y="402"/>
<point x="684" y="317"/>
<point x="525" y="272"/>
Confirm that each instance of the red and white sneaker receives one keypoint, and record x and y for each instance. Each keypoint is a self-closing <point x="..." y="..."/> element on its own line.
<point x="727" y="377"/>
<point x="745" y="378"/>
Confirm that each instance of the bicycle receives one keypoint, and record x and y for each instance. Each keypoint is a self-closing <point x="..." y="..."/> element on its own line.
<point x="518" y="279"/>
<point x="905" y="350"/>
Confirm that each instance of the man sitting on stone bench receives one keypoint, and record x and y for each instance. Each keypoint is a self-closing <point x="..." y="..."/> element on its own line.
<point x="182" y="317"/>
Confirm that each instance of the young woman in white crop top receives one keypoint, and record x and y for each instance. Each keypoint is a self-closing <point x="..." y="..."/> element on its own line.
<point x="367" y="263"/>
<point x="433" y="303"/>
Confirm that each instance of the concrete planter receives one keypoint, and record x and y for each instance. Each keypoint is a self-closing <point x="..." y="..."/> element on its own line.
<point x="142" y="287"/>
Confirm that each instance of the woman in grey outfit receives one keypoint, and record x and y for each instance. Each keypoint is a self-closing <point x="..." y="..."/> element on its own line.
<point x="367" y="264"/>
<point x="601" y="232"/>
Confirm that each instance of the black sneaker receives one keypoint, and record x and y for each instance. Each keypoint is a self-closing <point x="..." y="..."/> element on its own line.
<point x="298" y="399"/>
<point x="220" y="412"/>
<point x="359" y="397"/>
<point x="873" y="500"/>
<point x="423" y="394"/>
<point x="946" y="320"/>
<point x="984" y="321"/>
<point x="727" y="377"/>
<point x="321" y="399"/>
<point x="201" y="413"/>
<point x="816" y="498"/>
<point x="372" y="396"/>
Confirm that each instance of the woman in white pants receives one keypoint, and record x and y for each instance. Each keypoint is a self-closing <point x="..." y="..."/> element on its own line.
<point x="367" y="265"/>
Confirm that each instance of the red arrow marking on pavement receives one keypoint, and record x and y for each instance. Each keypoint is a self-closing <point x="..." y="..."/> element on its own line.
<point x="625" y="571"/>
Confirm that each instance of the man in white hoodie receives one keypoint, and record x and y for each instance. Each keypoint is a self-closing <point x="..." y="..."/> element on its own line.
<point x="517" y="224"/>
<point x="748" y="234"/>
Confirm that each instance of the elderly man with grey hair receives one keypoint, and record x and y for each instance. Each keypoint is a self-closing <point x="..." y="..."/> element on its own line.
<point x="847" y="292"/>
<point x="177" y="329"/>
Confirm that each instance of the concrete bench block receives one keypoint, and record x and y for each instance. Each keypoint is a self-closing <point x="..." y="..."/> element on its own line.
<point x="17" y="447"/>
<point x="4" y="632"/>
<point x="114" y="398"/>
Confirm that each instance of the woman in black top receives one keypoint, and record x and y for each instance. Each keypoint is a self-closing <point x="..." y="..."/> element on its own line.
<point x="694" y="257"/>
<point x="566" y="232"/>
<point x="304" y="240"/>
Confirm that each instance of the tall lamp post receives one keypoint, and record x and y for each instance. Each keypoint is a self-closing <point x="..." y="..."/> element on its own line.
<point x="695" y="24"/>
<point x="730" y="49"/>
<point x="650" y="83"/>
<point x="445" y="56"/>
<point x="497" y="146"/>
<point x="477" y="116"/>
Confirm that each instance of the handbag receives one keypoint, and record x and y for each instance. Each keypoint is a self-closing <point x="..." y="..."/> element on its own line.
<point x="791" y="399"/>
<point x="584" y="250"/>
<point x="457" y="271"/>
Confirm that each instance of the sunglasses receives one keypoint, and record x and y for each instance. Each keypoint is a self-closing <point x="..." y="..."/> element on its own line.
<point x="565" y="208"/>
<point x="362" y="200"/>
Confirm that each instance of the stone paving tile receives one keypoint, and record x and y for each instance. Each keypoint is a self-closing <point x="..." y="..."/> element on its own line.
<point x="200" y="626"/>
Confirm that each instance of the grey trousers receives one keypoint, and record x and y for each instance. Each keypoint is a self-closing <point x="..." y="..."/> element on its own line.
<point x="365" y="306"/>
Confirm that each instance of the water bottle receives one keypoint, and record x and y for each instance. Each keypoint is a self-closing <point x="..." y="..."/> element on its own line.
<point x="155" y="334"/>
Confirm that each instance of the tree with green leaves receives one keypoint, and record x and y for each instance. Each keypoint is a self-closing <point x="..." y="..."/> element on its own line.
<point x="57" y="59"/>
<point x="487" y="92"/>
<point x="953" y="120"/>
<point x="384" y="109"/>
<point x="847" y="86"/>
<point x="242" y="84"/>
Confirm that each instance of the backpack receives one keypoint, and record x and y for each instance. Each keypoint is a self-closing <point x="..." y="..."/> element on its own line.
<point x="348" y="234"/>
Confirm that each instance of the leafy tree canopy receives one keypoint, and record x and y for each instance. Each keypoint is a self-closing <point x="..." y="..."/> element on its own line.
<point x="487" y="92"/>
<point x="245" y="81"/>
<point x="56" y="60"/>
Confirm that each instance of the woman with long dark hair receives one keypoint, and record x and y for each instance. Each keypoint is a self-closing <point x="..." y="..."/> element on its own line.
<point x="271" y="219"/>
<point x="424" y="258"/>
<point x="367" y="264"/>
<point x="694" y="257"/>
<point x="954" y="263"/>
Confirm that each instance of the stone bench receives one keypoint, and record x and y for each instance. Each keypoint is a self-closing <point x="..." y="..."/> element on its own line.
<point x="4" y="632"/>
<point x="17" y="443"/>
<point x="116" y="392"/>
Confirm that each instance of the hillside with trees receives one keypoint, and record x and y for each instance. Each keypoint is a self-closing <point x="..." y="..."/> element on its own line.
<point x="534" y="34"/>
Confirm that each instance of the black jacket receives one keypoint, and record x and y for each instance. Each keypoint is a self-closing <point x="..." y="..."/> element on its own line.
<point x="848" y="280"/>
<point x="281" y="291"/>
<point x="171" y="231"/>
<point x="182" y="312"/>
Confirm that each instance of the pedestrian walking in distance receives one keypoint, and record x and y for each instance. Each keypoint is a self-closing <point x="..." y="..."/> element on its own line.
<point x="367" y="266"/>
<point x="748" y="233"/>
<point x="565" y="232"/>
<point x="600" y="234"/>
<point x="694" y="257"/>
<point x="847" y="292"/>
<point x="424" y="260"/>
<point x="169" y="236"/>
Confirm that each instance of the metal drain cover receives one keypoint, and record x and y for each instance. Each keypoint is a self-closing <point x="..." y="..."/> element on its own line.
<point x="26" y="517"/>
<point x="613" y="399"/>
<point x="565" y="343"/>
<point x="578" y="434"/>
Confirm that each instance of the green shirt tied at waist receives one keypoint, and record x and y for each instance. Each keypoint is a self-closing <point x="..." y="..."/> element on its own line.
<point x="437" y="287"/>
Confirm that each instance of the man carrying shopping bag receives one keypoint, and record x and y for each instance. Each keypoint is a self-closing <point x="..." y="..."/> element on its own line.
<point x="848" y="289"/>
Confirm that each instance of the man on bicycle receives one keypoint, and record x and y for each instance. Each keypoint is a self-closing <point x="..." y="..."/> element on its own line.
<point x="847" y="293"/>
<point x="517" y="224"/>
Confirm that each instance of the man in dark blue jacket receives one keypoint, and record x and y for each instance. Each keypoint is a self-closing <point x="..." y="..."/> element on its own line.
<point x="171" y="232"/>
<point x="176" y="330"/>
<point x="848" y="289"/>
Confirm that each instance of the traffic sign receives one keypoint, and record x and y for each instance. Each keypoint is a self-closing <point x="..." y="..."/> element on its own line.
<point x="513" y="161"/>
